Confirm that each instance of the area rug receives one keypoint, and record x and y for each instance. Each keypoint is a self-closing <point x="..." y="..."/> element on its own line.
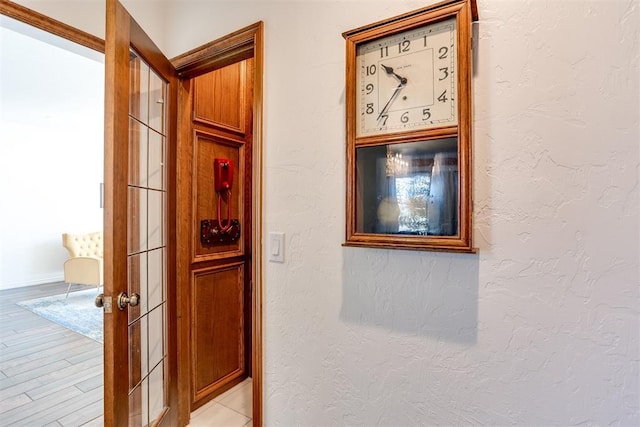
<point x="77" y="312"/>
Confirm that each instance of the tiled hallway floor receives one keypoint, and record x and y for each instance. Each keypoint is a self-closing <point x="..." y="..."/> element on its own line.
<point x="231" y="409"/>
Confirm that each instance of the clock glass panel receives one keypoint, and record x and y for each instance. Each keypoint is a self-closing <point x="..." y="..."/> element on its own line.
<point x="407" y="81"/>
<point x="408" y="188"/>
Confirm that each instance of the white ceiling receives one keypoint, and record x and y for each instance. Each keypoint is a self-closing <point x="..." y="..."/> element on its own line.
<point x="43" y="76"/>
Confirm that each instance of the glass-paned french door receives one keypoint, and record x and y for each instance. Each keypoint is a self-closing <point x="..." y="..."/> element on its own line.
<point x="146" y="245"/>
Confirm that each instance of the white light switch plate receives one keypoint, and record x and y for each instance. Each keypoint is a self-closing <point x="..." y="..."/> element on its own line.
<point x="276" y="247"/>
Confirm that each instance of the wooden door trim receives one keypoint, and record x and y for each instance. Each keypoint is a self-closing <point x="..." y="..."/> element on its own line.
<point x="242" y="44"/>
<point x="221" y="52"/>
<point x="50" y="25"/>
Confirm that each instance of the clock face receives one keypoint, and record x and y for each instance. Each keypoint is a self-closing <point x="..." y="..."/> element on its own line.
<point x="407" y="81"/>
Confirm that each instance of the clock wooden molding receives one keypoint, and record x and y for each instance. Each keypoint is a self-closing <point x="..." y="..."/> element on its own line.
<point x="408" y="130"/>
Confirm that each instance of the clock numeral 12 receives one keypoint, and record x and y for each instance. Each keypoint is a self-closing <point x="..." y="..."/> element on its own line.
<point x="403" y="46"/>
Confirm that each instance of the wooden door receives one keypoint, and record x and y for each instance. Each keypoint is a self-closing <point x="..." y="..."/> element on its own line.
<point x="139" y="299"/>
<point x="220" y="126"/>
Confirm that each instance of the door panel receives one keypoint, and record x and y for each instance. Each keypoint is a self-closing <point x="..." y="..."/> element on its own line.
<point x="219" y="328"/>
<point x="208" y="147"/>
<point x="228" y="111"/>
<point x="140" y="368"/>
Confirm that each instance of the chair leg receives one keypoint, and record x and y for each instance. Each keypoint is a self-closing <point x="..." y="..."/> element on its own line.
<point x="68" y="289"/>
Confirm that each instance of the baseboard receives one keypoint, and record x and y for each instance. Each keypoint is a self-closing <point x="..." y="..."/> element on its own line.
<point x="40" y="281"/>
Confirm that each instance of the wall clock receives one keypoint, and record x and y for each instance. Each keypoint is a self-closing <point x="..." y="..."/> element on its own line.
<point x="408" y="123"/>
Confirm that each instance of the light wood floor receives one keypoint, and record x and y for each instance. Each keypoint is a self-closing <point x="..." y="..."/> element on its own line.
<point x="49" y="375"/>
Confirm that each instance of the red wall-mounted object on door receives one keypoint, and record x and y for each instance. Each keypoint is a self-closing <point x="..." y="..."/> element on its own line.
<point x="222" y="175"/>
<point x="215" y="231"/>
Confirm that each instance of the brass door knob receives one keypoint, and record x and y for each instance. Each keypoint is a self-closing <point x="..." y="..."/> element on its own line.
<point x="100" y="301"/>
<point x="124" y="300"/>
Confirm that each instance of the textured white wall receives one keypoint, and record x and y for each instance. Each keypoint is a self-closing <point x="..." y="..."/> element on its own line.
<point x="541" y="326"/>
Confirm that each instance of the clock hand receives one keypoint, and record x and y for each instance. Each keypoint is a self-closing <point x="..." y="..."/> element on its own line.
<point x="389" y="71"/>
<point x="393" y="96"/>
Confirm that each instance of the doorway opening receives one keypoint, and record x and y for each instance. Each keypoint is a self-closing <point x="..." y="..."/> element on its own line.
<point x="51" y="157"/>
<point x="220" y="115"/>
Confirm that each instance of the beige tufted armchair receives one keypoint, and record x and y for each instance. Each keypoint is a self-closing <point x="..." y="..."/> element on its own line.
<point x="84" y="266"/>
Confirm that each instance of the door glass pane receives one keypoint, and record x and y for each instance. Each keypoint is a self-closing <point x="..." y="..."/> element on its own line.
<point x="157" y="90"/>
<point x="138" y="415"/>
<point x="137" y="153"/>
<point x="156" y="160"/>
<point x="155" y="270"/>
<point x="135" y="358"/>
<point x="137" y="222"/>
<point x="156" y="343"/>
<point x="138" y="89"/>
<point x="137" y="265"/>
<point x="156" y="391"/>
<point x="155" y="219"/>
<point x="146" y="244"/>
